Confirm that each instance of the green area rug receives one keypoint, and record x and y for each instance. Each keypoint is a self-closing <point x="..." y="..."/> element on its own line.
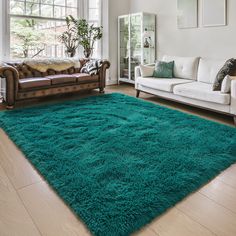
<point x="117" y="161"/>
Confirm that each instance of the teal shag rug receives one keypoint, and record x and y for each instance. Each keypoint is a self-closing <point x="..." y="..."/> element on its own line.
<point x="117" y="161"/>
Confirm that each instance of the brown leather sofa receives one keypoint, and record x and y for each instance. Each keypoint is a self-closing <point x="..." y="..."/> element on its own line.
<point x="24" y="82"/>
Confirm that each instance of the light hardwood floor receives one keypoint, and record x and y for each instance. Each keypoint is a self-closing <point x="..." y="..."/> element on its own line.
<point x="29" y="207"/>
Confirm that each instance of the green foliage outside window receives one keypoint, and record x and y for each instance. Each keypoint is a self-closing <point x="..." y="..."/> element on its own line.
<point x="26" y="37"/>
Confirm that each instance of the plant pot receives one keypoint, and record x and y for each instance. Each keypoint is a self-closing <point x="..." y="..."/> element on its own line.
<point x="88" y="52"/>
<point x="70" y="52"/>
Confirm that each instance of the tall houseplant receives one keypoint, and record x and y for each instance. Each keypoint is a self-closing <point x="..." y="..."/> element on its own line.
<point x="87" y="34"/>
<point x="70" y="38"/>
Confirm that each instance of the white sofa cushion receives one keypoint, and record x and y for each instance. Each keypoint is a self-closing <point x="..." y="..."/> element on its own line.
<point x="226" y="84"/>
<point x="201" y="91"/>
<point x="208" y="69"/>
<point x="147" y="71"/>
<point x="184" y="67"/>
<point x="233" y="97"/>
<point x="161" y="84"/>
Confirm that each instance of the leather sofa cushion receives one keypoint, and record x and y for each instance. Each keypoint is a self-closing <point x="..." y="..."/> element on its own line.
<point x="166" y="85"/>
<point x="201" y="91"/>
<point x="30" y="83"/>
<point x="62" y="79"/>
<point x="86" y="78"/>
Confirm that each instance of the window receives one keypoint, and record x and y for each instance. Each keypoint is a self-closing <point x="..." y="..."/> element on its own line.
<point x="36" y="24"/>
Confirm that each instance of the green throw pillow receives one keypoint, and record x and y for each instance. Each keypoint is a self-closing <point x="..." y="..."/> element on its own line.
<point x="163" y="69"/>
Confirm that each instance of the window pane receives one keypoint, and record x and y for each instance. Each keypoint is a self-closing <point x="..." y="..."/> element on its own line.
<point x="36" y="38"/>
<point x="95" y="50"/>
<point x="17" y="7"/>
<point x="59" y="12"/>
<point x="93" y="14"/>
<point x="93" y="3"/>
<point x="44" y="8"/>
<point x="47" y="1"/>
<point x="32" y="1"/>
<point x="72" y="11"/>
<point x="72" y="3"/>
<point x="47" y="10"/>
<point x="32" y="9"/>
<point x="60" y="2"/>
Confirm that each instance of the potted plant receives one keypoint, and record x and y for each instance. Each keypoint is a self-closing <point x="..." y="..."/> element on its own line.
<point x="70" y="38"/>
<point x="87" y="35"/>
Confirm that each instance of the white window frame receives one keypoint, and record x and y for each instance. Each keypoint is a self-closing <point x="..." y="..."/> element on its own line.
<point x="6" y="17"/>
<point x="99" y="21"/>
<point x="6" y="30"/>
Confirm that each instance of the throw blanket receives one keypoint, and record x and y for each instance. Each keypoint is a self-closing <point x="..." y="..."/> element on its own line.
<point x="43" y="65"/>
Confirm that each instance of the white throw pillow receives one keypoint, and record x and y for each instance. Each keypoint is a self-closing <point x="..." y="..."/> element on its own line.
<point x="92" y="67"/>
<point x="147" y="71"/>
<point x="226" y="84"/>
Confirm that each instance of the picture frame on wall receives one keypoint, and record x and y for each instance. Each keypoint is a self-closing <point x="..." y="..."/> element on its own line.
<point x="214" y="13"/>
<point x="187" y="14"/>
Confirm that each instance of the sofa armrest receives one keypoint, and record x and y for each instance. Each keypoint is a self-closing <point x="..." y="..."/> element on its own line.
<point x="102" y="74"/>
<point x="233" y="97"/>
<point x="137" y="72"/>
<point x="12" y="80"/>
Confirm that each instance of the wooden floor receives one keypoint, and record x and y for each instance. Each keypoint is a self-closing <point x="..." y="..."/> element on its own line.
<point x="29" y="207"/>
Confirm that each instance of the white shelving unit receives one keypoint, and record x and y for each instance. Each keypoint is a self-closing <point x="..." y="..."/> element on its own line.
<point x="136" y="43"/>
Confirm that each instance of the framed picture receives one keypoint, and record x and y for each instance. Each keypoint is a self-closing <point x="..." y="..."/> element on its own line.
<point x="213" y="13"/>
<point x="187" y="14"/>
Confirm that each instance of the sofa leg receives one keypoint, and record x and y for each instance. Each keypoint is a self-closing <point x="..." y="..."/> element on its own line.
<point x="101" y="90"/>
<point x="137" y="93"/>
<point x="9" y="107"/>
<point x="235" y="120"/>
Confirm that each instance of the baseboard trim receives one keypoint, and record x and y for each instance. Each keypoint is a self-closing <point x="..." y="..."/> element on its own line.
<point x="112" y="82"/>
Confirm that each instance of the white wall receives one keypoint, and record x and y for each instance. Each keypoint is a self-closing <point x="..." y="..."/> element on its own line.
<point x="116" y="8"/>
<point x="1" y="30"/>
<point x="214" y="42"/>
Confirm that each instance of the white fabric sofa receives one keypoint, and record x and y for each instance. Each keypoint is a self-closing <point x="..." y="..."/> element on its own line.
<point x="192" y="84"/>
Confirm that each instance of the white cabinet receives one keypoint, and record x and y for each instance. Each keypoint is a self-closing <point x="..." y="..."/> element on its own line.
<point x="136" y="43"/>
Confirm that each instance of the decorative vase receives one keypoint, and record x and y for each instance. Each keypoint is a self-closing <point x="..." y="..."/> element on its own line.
<point x="146" y="43"/>
<point x="88" y="52"/>
<point x="70" y="52"/>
